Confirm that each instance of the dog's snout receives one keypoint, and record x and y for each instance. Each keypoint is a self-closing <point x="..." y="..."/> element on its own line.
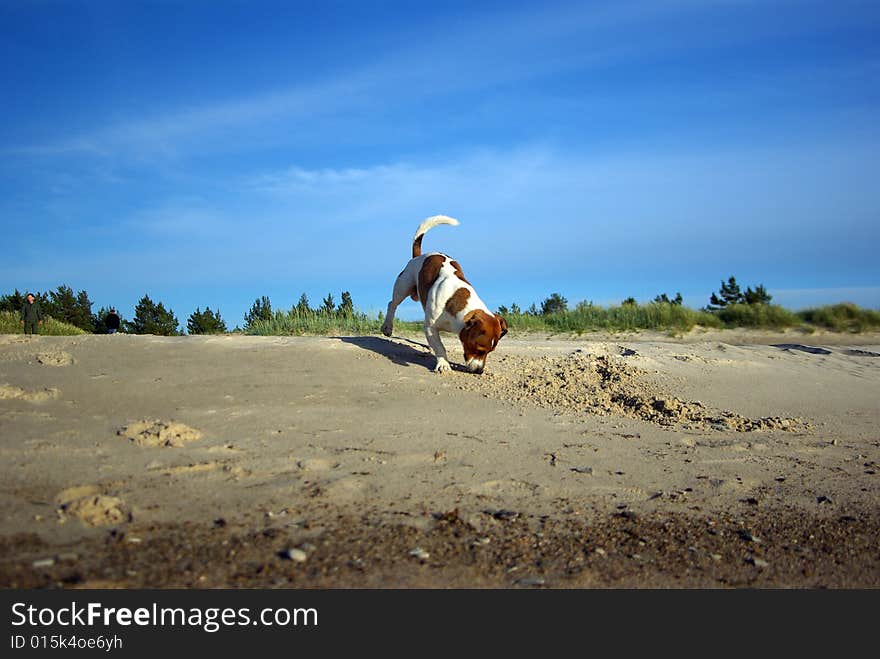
<point x="476" y="366"/>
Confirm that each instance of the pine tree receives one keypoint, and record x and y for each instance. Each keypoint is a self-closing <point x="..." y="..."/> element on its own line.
<point x="328" y="305"/>
<point x="554" y="304"/>
<point x="346" y="307"/>
<point x="757" y="296"/>
<point x="730" y="294"/>
<point x="69" y="308"/>
<point x="152" y="318"/>
<point x="84" y="318"/>
<point x="261" y="310"/>
<point x="677" y="300"/>
<point x="205" y="322"/>
<point x="101" y="321"/>
<point x="302" y="307"/>
<point x="12" y="302"/>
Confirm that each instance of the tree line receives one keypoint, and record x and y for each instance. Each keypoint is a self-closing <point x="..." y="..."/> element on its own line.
<point x="729" y="294"/>
<point x="151" y="317"/>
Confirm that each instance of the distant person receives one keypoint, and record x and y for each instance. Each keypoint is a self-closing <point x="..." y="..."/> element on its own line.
<point x="112" y="321"/>
<point x="31" y="315"/>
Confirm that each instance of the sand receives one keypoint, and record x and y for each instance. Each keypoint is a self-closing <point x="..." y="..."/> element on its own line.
<point x="716" y="459"/>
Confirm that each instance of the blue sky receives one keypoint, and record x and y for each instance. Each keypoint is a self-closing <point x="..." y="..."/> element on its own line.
<point x="208" y="153"/>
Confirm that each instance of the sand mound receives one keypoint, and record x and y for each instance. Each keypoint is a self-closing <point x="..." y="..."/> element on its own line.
<point x="584" y="384"/>
<point x="10" y="392"/>
<point x="159" y="433"/>
<point x="59" y="358"/>
<point x="92" y="509"/>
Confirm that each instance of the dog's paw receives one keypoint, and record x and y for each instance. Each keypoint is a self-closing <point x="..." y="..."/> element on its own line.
<point x="387" y="329"/>
<point x="442" y="366"/>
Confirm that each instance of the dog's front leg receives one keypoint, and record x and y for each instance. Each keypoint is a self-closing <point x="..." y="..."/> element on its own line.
<point x="433" y="336"/>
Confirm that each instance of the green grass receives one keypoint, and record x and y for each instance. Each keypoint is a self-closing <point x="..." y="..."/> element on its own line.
<point x="296" y="323"/>
<point x="625" y="317"/>
<point x="9" y="324"/>
<point x="759" y="316"/>
<point x="586" y="317"/>
<point x="662" y="316"/>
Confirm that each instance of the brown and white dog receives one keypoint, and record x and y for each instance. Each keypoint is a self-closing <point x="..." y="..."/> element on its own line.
<point x="450" y="302"/>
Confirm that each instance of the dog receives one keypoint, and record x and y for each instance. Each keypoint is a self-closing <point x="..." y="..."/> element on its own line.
<point x="450" y="302"/>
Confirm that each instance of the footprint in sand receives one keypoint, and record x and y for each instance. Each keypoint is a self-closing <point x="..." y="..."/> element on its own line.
<point x="316" y="464"/>
<point x="59" y="358"/>
<point x="505" y="487"/>
<point x="347" y="487"/>
<point x="89" y="506"/>
<point x="191" y="468"/>
<point x="417" y="459"/>
<point x="10" y="392"/>
<point x="159" y="433"/>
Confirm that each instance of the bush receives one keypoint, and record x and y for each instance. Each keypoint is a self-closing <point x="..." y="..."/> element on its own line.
<point x="757" y="315"/>
<point x="844" y="317"/>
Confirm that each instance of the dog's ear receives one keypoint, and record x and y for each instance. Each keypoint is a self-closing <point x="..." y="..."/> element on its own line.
<point x="503" y="326"/>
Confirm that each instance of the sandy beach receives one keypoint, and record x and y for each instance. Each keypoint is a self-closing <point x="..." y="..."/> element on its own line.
<point x="713" y="460"/>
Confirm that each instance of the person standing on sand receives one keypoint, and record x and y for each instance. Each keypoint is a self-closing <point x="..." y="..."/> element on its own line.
<point x="112" y="321"/>
<point x="31" y="315"/>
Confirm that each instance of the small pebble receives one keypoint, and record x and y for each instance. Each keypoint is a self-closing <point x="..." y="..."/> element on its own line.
<point x="531" y="581"/>
<point x="419" y="553"/>
<point x="44" y="562"/>
<point x="757" y="562"/>
<point x="293" y="554"/>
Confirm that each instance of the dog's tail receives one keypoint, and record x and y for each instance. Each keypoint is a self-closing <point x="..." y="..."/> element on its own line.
<point x="430" y="223"/>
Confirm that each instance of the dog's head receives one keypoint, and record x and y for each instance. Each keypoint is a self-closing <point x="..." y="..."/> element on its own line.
<point x="481" y="333"/>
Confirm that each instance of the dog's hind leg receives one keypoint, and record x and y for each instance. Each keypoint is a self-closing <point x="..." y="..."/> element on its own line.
<point x="403" y="288"/>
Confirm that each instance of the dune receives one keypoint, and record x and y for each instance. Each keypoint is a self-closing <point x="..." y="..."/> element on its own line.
<point x="712" y="460"/>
